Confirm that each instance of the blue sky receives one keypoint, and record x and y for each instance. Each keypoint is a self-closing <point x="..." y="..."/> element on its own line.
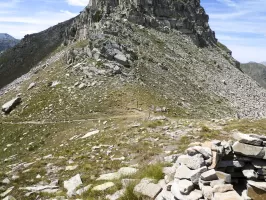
<point x="239" y="24"/>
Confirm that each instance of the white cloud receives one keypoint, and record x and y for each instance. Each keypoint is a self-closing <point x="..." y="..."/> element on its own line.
<point x="9" y="3"/>
<point x="223" y="16"/>
<point x="78" y="2"/>
<point x="239" y="25"/>
<point x="68" y="13"/>
<point x="228" y="3"/>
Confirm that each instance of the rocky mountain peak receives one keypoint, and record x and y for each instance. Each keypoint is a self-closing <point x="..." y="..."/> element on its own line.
<point x="188" y="17"/>
<point x="5" y="36"/>
<point x="7" y="41"/>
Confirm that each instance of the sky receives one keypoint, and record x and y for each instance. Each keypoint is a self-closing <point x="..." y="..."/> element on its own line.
<point x="239" y="24"/>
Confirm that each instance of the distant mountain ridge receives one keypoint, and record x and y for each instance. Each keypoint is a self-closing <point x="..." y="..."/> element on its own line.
<point x="7" y="41"/>
<point x="31" y="50"/>
<point x="257" y="71"/>
<point x="263" y="63"/>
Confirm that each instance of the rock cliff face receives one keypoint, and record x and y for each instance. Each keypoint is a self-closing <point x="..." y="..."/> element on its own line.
<point x="188" y="16"/>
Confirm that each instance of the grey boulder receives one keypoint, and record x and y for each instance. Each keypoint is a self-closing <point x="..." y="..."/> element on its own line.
<point x="209" y="175"/>
<point x="12" y="104"/>
<point x="192" y="162"/>
<point x="249" y="150"/>
<point x="147" y="188"/>
<point x="246" y="139"/>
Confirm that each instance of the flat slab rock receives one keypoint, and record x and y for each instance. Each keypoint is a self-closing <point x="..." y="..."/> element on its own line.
<point x="41" y="188"/>
<point x="249" y="150"/>
<point x="7" y="192"/>
<point x="205" y="151"/>
<point x="147" y="188"/>
<point x="127" y="171"/>
<point x="262" y="137"/>
<point x="209" y="175"/>
<point x="117" y="195"/>
<point x="223" y="188"/>
<point x="109" y="177"/>
<point x="121" y="59"/>
<point x="255" y="193"/>
<point x="193" y="195"/>
<point x="9" y="198"/>
<point x="192" y="162"/>
<point x="89" y="134"/>
<point x="231" y="195"/>
<point x="103" y="187"/>
<point x="259" y="185"/>
<point x="124" y="171"/>
<point x="247" y="139"/>
<point x="83" y="190"/>
<point x="183" y="172"/>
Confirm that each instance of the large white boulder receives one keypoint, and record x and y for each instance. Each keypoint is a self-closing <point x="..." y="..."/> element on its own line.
<point x="72" y="184"/>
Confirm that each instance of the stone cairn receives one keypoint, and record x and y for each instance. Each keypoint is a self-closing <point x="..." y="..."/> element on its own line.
<point x="215" y="171"/>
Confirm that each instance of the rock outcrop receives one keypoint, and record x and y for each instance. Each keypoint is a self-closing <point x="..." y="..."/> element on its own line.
<point x="188" y="16"/>
<point x="162" y="43"/>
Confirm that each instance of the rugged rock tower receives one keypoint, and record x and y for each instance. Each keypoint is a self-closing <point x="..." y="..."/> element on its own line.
<point x="186" y="16"/>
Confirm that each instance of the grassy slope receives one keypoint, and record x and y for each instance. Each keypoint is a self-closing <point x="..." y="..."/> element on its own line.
<point x="49" y="117"/>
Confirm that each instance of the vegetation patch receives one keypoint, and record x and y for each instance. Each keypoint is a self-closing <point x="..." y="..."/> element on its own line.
<point x="247" y="126"/>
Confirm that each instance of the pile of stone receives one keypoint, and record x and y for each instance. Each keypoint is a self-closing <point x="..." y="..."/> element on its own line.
<point x="215" y="171"/>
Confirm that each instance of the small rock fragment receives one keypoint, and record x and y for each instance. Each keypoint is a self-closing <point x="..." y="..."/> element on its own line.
<point x="32" y="85"/>
<point x="109" y="177"/>
<point x="223" y="188"/>
<point x="103" y="187"/>
<point x="117" y="195"/>
<point x="82" y="190"/>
